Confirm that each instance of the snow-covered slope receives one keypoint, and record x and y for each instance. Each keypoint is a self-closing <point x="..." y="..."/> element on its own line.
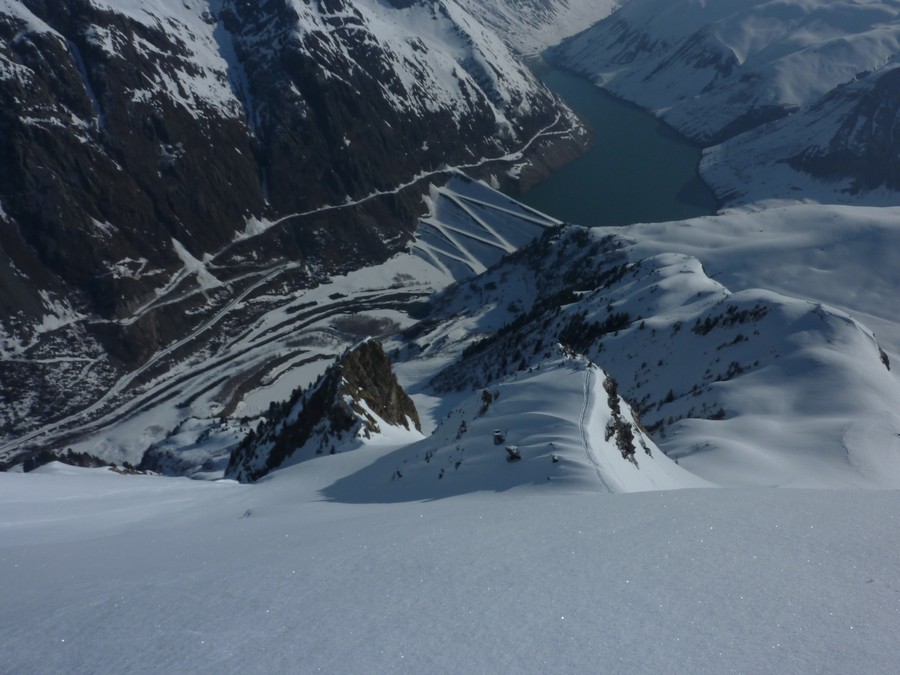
<point x="530" y="26"/>
<point x="559" y="422"/>
<point x="824" y="70"/>
<point x="839" y="255"/>
<point x="744" y="385"/>
<point x="104" y="573"/>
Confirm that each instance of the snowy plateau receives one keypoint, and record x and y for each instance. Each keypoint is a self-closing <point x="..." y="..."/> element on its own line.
<point x="358" y="415"/>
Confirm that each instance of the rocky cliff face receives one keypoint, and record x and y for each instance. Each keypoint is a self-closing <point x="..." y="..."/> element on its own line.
<point x="355" y="399"/>
<point x="157" y="160"/>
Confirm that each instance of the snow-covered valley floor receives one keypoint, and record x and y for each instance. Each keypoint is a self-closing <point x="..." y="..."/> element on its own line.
<point x="103" y="573"/>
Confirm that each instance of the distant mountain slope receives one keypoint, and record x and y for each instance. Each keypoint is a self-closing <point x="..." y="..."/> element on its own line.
<point x="530" y="26"/>
<point x="132" y="123"/>
<point x="164" y="162"/>
<point x="843" y="147"/>
<point x="814" y="83"/>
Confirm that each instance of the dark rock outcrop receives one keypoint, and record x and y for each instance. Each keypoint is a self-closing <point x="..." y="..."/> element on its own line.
<point x="348" y="402"/>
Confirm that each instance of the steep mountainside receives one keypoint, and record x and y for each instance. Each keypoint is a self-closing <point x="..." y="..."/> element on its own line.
<point x="191" y="403"/>
<point x="813" y="82"/>
<point x="843" y="147"/>
<point x="162" y="161"/>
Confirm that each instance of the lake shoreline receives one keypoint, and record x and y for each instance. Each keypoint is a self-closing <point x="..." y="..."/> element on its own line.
<point x="654" y="155"/>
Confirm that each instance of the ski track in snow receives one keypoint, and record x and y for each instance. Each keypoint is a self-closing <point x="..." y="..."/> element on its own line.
<point x="583" y="424"/>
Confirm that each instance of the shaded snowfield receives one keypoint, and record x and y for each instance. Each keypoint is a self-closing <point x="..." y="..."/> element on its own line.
<point x="109" y="574"/>
<point x="839" y="255"/>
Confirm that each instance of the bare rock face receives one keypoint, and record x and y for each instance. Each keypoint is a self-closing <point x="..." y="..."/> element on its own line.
<point x="352" y="400"/>
<point x="105" y="162"/>
<point x="368" y="379"/>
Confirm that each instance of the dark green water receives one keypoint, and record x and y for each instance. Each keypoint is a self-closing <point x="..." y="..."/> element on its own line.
<point x="639" y="170"/>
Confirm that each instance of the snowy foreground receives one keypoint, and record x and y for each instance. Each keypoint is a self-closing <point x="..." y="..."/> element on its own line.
<point x="468" y="563"/>
<point x="105" y="573"/>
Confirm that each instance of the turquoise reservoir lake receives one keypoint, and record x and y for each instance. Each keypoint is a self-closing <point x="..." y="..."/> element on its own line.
<point x="639" y="170"/>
